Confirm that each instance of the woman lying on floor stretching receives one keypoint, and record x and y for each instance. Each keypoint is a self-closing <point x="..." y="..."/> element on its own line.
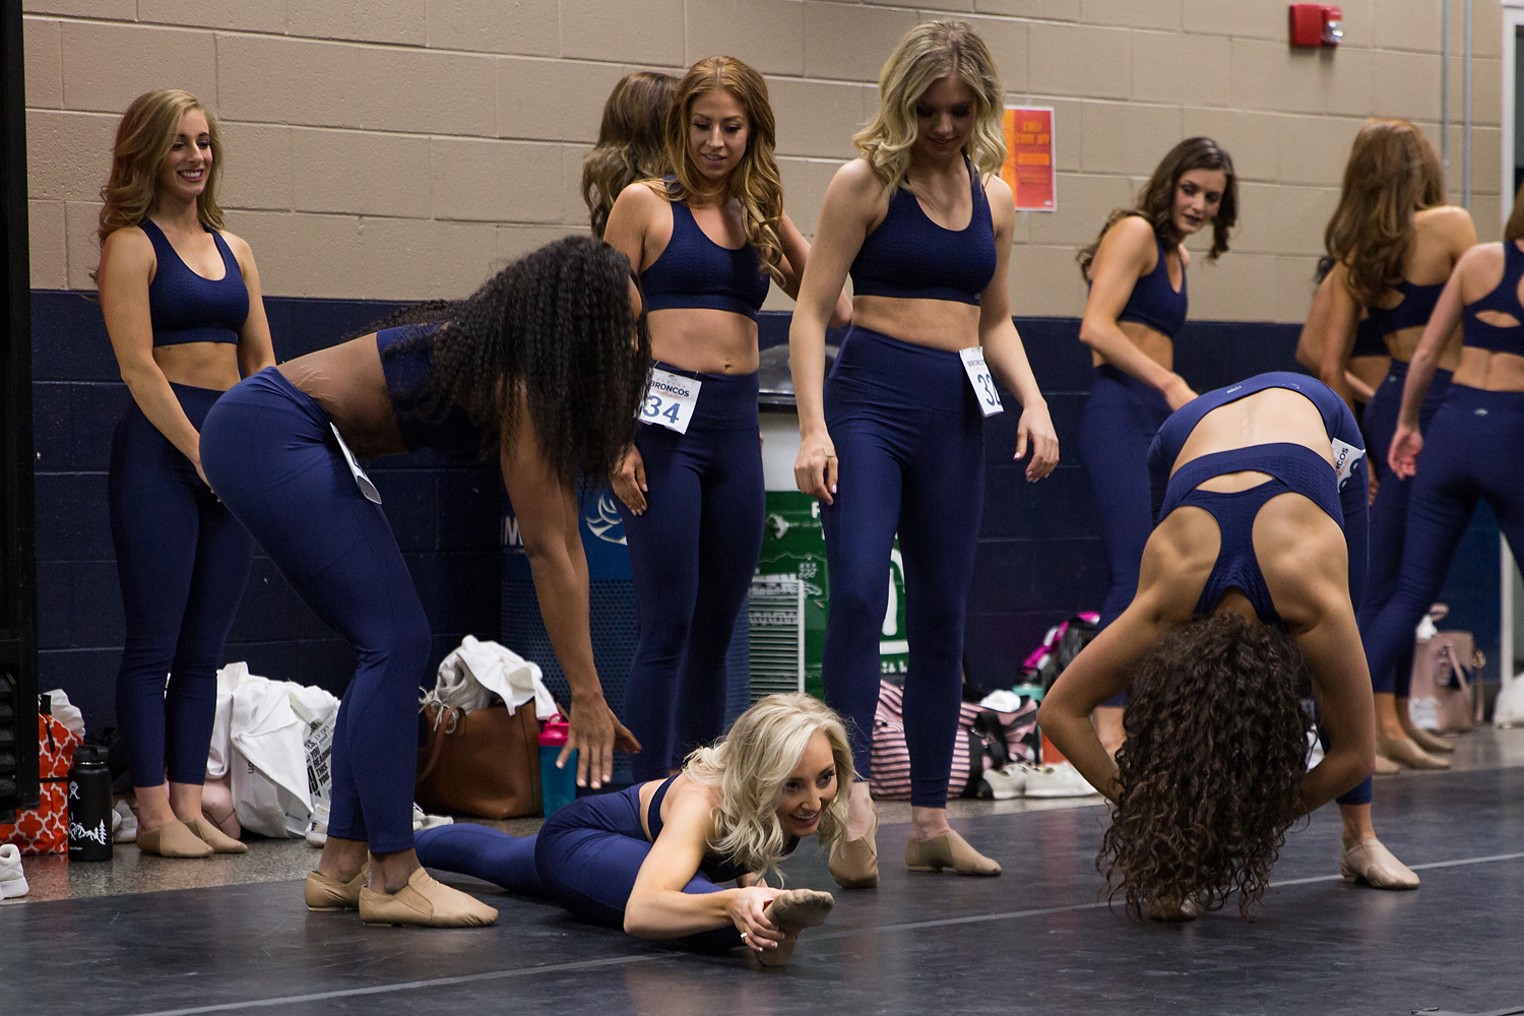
<point x="1246" y="590"/>
<point x="650" y="859"/>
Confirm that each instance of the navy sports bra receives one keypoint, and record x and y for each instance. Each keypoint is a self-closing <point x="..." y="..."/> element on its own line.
<point x="1505" y="300"/>
<point x="1368" y="340"/>
<point x="1154" y="302"/>
<point x="184" y="306"/>
<point x="910" y="257"/>
<point x="714" y="867"/>
<point x="1413" y="312"/>
<point x="694" y="271"/>
<point x="406" y="366"/>
<point x="1293" y="468"/>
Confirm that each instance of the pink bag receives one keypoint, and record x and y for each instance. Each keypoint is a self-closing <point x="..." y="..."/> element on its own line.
<point x="1444" y="669"/>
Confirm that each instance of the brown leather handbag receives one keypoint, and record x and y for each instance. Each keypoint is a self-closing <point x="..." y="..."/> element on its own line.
<point x="481" y="762"/>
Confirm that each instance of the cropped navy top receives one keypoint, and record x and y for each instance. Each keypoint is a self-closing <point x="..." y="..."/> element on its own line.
<point x="715" y="867"/>
<point x="186" y="307"/>
<point x="910" y="257"/>
<point x="1293" y="468"/>
<point x="1368" y="340"/>
<point x="1504" y="300"/>
<point x="1413" y="312"/>
<point x="1154" y="302"/>
<point x="694" y="271"/>
<point x="445" y="427"/>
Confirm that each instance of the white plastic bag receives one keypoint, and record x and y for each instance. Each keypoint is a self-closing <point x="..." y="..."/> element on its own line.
<point x="270" y="725"/>
<point x="478" y="673"/>
<point x="1508" y="707"/>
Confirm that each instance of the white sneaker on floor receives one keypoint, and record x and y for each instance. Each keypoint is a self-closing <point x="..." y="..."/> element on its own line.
<point x="124" y="824"/>
<point x="317" y="826"/>
<point x="12" y="879"/>
<point x="1058" y="780"/>
<point x="1004" y="783"/>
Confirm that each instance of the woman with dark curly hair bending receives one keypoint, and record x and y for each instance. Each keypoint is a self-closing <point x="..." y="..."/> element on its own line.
<point x="1246" y="594"/>
<point x="542" y="368"/>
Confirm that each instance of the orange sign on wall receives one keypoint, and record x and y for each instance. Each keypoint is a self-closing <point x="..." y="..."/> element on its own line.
<point x="1029" y="158"/>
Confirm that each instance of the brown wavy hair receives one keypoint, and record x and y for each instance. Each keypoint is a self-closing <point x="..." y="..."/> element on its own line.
<point x="1156" y="201"/>
<point x="1212" y="768"/>
<point x="631" y="142"/>
<point x="1392" y="173"/>
<point x="755" y="182"/>
<point x="925" y="54"/>
<point x="143" y="139"/>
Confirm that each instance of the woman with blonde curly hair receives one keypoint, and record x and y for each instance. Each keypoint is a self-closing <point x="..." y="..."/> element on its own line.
<point x="1246" y="596"/>
<point x="1394" y="243"/>
<point x="651" y="859"/>
<point x="923" y="224"/>
<point x="706" y="241"/>
<point x="632" y="142"/>
<point x="182" y="305"/>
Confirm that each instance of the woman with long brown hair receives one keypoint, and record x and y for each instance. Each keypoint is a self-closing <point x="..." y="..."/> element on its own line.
<point x="182" y="304"/>
<point x="632" y="142"/>
<point x="1394" y="242"/>
<point x="707" y="242"/>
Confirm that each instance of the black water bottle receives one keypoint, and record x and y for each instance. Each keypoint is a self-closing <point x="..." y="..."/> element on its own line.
<point x="89" y="805"/>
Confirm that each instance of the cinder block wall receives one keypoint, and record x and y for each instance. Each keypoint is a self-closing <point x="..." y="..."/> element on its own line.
<point x="404" y="149"/>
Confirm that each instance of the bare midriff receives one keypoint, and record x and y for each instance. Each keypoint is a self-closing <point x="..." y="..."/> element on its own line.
<point x="704" y="340"/>
<point x="1490" y="371"/>
<point x="212" y="365"/>
<point x="347" y="381"/>
<point x="1157" y="346"/>
<point x="939" y="324"/>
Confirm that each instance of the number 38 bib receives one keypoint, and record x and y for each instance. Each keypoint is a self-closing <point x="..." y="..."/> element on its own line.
<point x="670" y="399"/>
<point x="980" y="380"/>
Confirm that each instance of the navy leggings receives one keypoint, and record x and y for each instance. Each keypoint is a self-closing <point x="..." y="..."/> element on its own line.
<point x="270" y="453"/>
<point x="1389" y="515"/>
<point x="585" y="857"/>
<point x="183" y="561"/>
<point x="692" y="555"/>
<point x="1468" y="455"/>
<point x="910" y="444"/>
<point x="1116" y="428"/>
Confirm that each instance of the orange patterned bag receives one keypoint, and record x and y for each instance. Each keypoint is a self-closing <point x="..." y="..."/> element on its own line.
<point x="45" y="829"/>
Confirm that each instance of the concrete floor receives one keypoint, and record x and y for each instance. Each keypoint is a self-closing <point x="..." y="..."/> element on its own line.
<point x="148" y="936"/>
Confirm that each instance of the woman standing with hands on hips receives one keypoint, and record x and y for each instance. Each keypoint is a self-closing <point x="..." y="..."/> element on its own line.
<point x="893" y="440"/>
<point x="182" y="304"/>
<point x="706" y="242"/>
<point x="1136" y="270"/>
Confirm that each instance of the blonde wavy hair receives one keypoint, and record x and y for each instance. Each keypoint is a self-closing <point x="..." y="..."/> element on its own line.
<point x="749" y="767"/>
<point x="1392" y="173"/>
<point x="755" y="182"/>
<point x="631" y="141"/>
<point x="143" y="139"/>
<point x="928" y="52"/>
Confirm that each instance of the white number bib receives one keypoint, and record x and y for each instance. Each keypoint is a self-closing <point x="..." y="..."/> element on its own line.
<point x="361" y="480"/>
<point x="670" y="399"/>
<point x="980" y="380"/>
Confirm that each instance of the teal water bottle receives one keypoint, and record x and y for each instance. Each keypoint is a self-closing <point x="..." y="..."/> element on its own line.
<point x="558" y="787"/>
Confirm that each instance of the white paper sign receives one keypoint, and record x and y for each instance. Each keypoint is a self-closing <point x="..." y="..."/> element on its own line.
<point x="670" y="399"/>
<point x="980" y="380"/>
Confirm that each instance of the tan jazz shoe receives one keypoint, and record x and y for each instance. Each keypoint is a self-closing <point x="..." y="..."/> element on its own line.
<point x="948" y="851"/>
<point x="1430" y="742"/>
<point x="791" y="913"/>
<point x="326" y="894"/>
<point x="1407" y="754"/>
<point x="220" y="842"/>
<point x="173" y="839"/>
<point x="1370" y="862"/>
<point x="854" y="863"/>
<point x="425" y="903"/>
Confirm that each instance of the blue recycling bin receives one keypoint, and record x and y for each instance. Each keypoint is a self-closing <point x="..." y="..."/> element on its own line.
<point x="613" y="612"/>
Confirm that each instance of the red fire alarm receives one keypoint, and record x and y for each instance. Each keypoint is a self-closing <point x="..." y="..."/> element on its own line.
<point x="1316" y="25"/>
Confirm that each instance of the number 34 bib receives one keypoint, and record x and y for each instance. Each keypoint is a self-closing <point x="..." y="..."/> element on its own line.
<point x="670" y="399"/>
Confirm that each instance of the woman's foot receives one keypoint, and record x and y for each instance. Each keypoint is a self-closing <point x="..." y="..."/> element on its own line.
<point x="219" y="841"/>
<point x="854" y="862"/>
<point x="426" y="903"/>
<point x="1429" y="742"/>
<point x="948" y="850"/>
<point x="791" y="913"/>
<point x="1370" y="862"/>
<point x="1407" y="754"/>
<point x="172" y="839"/>
<point x="327" y="894"/>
